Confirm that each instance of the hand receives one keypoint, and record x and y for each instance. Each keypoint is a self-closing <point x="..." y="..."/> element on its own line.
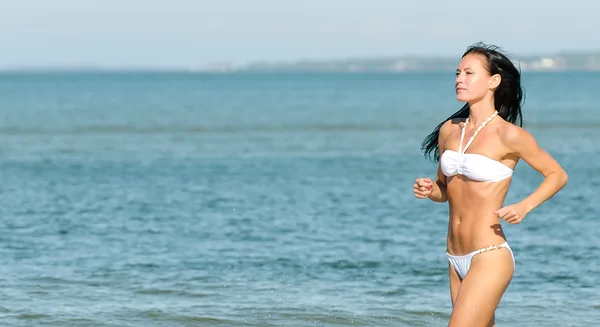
<point x="512" y="214"/>
<point x="423" y="188"/>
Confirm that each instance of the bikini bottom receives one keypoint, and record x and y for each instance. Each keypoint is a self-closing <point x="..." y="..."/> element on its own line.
<point x="462" y="263"/>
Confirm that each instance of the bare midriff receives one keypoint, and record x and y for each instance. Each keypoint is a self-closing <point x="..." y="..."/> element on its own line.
<point x="472" y="223"/>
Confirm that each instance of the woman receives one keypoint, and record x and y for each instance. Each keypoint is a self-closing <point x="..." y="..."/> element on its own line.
<point x="477" y="149"/>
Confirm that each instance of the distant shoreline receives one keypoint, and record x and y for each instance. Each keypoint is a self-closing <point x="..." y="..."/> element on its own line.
<point x="583" y="61"/>
<point x="264" y="72"/>
<point x="559" y="62"/>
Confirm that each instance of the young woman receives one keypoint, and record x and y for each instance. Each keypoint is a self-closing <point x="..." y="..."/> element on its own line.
<point x="477" y="149"/>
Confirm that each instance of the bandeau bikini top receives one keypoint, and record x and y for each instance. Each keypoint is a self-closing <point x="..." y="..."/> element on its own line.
<point x="474" y="166"/>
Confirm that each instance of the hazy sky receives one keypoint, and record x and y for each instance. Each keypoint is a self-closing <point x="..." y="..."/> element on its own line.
<point x="194" y="33"/>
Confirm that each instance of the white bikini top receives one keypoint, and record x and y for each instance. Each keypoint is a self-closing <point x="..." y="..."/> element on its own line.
<point x="474" y="166"/>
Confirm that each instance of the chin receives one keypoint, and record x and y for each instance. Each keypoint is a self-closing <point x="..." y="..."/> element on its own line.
<point x="470" y="99"/>
<point x="460" y="98"/>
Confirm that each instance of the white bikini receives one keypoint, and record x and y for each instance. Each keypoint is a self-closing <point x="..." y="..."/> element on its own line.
<point x="472" y="165"/>
<point x="478" y="168"/>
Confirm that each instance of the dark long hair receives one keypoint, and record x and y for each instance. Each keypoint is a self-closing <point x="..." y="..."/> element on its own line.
<point x="508" y="97"/>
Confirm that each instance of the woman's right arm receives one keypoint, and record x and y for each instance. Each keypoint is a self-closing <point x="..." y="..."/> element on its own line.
<point x="438" y="193"/>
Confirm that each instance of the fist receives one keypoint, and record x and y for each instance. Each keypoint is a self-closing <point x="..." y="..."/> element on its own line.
<point x="423" y="188"/>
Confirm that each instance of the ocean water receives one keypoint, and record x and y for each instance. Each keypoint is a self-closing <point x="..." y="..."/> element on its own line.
<point x="174" y="199"/>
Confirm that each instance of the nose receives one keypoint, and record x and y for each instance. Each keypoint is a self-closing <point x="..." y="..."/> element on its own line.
<point x="459" y="78"/>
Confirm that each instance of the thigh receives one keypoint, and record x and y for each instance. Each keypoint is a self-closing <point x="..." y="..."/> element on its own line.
<point x="482" y="288"/>
<point x="454" y="283"/>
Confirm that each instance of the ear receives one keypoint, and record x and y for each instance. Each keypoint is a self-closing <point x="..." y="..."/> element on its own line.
<point x="495" y="81"/>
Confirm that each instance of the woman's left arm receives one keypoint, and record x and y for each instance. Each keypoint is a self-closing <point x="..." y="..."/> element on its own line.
<point x="523" y="144"/>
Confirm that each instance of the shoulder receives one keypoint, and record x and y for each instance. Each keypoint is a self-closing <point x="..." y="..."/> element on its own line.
<point x="516" y="138"/>
<point x="450" y="125"/>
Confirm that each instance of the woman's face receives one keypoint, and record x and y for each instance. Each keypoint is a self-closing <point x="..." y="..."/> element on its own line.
<point x="473" y="81"/>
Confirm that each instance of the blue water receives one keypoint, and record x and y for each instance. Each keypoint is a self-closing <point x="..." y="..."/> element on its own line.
<point x="167" y="199"/>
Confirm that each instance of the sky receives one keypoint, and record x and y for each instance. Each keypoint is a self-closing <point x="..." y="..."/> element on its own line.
<point x="196" y="33"/>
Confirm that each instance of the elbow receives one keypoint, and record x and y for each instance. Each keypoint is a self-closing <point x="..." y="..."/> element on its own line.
<point x="563" y="178"/>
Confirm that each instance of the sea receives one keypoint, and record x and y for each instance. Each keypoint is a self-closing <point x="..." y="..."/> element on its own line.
<point x="271" y="199"/>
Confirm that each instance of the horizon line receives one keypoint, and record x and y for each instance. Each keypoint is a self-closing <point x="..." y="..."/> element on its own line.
<point x="251" y="63"/>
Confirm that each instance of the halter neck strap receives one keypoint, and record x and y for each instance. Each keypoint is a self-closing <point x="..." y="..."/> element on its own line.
<point x="462" y="134"/>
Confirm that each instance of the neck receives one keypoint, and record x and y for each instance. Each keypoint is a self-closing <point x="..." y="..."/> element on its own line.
<point x="480" y="111"/>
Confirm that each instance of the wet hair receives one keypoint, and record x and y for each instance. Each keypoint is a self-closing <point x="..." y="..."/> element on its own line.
<point x="508" y="96"/>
